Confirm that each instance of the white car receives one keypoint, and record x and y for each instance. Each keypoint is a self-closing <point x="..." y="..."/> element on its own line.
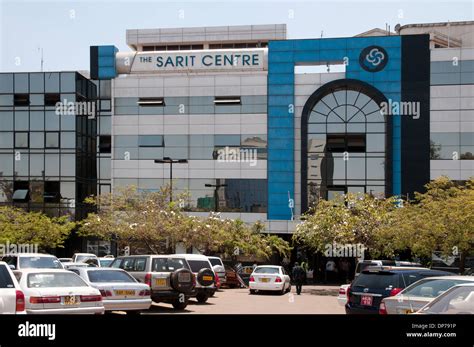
<point x="414" y="297"/>
<point x="342" y="296"/>
<point x="50" y="291"/>
<point x="120" y="291"/>
<point x="12" y="300"/>
<point x="269" y="278"/>
<point x="67" y="266"/>
<point x="218" y="267"/>
<point x="456" y="300"/>
<point x="20" y="261"/>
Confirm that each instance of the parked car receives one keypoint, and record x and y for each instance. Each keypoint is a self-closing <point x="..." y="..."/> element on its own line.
<point x="363" y="264"/>
<point x="106" y="261"/>
<point x="456" y="300"/>
<point x="53" y="291"/>
<point x="231" y="277"/>
<point x="12" y="299"/>
<point x="378" y="282"/>
<point x="245" y="273"/>
<point x="269" y="278"/>
<point x="81" y="257"/>
<point x="206" y="279"/>
<point x="20" y="261"/>
<point x="68" y="266"/>
<point x="420" y="293"/>
<point x="342" y="296"/>
<point x="219" y="269"/>
<point x="169" y="277"/>
<point x="120" y="291"/>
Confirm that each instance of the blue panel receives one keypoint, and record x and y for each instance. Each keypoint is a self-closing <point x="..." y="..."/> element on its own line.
<point x="282" y="57"/>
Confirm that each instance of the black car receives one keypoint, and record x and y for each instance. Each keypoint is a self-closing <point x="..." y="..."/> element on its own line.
<point x="376" y="283"/>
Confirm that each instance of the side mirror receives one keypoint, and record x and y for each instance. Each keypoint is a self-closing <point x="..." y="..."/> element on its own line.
<point x="12" y="267"/>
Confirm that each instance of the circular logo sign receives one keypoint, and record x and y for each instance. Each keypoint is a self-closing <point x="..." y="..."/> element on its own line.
<point x="373" y="58"/>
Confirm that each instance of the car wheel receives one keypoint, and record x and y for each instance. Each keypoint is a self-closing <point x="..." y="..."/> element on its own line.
<point x="202" y="298"/>
<point x="178" y="305"/>
<point x="212" y="294"/>
<point x="134" y="313"/>
<point x="253" y="291"/>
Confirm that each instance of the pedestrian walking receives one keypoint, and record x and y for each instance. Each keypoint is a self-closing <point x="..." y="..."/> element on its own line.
<point x="298" y="277"/>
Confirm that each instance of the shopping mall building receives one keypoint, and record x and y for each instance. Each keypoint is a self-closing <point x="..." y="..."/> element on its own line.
<point x="259" y="126"/>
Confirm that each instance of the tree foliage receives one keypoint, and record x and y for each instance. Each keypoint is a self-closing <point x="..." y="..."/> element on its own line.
<point x="147" y="221"/>
<point x="20" y="227"/>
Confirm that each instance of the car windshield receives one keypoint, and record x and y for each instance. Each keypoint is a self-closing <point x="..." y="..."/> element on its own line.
<point x="109" y="276"/>
<point x="458" y="300"/>
<point x="431" y="288"/>
<point x="168" y="264"/>
<point x="55" y="280"/>
<point x="376" y="280"/>
<point x="39" y="263"/>
<point x="215" y="261"/>
<point x="5" y="278"/>
<point x="106" y="262"/>
<point x="267" y="270"/>
<point x="197" y="265"/>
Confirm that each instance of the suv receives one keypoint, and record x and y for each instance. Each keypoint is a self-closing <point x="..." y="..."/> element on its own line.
<point x="363" y="264"/>
<point x="378" y="282"/>
<point x="169" y="277"/>
<point x="11" y="296"/>
<point x="18" y="261"/>
<point x="206" y="278"/>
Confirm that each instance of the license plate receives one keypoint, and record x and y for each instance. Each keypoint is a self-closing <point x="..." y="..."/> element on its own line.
<point x="366" y="300"/>
<point x="207" y="278"/>
<point x="184" y="277"/>
<point x="125" y="292"/>
<point x="70" y="300"/>
<point x="264" y="280"/>
<point x="160" y="282"/>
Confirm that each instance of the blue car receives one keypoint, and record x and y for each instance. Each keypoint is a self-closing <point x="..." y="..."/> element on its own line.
<point x="378" y="282"/>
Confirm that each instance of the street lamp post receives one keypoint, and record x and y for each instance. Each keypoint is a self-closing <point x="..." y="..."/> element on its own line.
<point x="216" y="197"/>
<point x="168" y="160"/>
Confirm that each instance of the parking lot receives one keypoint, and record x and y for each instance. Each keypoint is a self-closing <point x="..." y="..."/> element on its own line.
<point x="313" y="300"/>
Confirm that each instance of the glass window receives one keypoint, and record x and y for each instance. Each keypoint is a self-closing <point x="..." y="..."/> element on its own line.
<point x="105" y="126"/>
<point x="105" y="144"/>
<point x="68" y="82"/>
<point x="54" y="280"/>
<point x="150" y="141"/>
<point x="36" y="99"/>
<point x="21" y="100"/>
<point x="51" y="82"/>
<point x="375" y="142"/>
<point x="21" y="83"/>
<point x="68" y="165"/>
<point x="6" y="169"/>
<point x="37" y="139"/>
<point x="52" y="139"/>
<point x="22" y="165"/>
<point x="227" y="140"/>
<point x="52" y="120"/>
<point x="21" y="120"/>
<point x="6" y="83"/>
<point x="51" y="99"/>
<point x="68" y="139"/>
<point x="36" y="83"/>
<point x="375" y="168"/>
<point x="52" y="164"/>
<point x="36" y="120"/>
<point x="176" y="141"/>
<point x="6" y="121"/>
<point x="6" y="100"/>
<point x="36" y="165"/>
<point x="21" y="140"/>
<point x="201" y="141"/>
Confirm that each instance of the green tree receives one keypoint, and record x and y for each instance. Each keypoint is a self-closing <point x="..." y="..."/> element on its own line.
<point x="348" y="219"/>
<point x="20" y="227"/>
<point x="441" y="219"/>
<point x="149" y="222"/>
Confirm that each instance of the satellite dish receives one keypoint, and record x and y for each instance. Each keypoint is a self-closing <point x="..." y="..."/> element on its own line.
<point x="397" y="28"/>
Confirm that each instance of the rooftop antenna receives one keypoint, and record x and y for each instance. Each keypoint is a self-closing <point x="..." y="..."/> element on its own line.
<point x="42" y="60"/>
<point x="322" y="33"/>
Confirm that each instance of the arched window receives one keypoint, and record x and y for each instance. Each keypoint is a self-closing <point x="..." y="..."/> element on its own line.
<point x="344" y="141"/>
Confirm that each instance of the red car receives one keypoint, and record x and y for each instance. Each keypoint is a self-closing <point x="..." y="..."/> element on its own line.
<point x="232" y="279"/>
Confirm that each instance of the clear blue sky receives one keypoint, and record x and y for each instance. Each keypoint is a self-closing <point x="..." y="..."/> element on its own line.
<point x="66" y="29"/>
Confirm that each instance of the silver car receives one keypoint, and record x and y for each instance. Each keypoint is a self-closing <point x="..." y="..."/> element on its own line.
<point x="120" y="291"/>
<point x="456" y="300"/>
<point x="420" y="293"/>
